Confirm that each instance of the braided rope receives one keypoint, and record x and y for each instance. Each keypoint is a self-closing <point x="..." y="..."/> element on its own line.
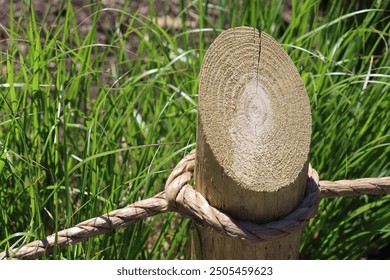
<point x="370" y="186"/>
<point x="180" y="197"/>
<point x="92" y="227"/>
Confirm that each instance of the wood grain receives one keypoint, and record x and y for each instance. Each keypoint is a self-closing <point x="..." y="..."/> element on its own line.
<point x="254" y="133"/>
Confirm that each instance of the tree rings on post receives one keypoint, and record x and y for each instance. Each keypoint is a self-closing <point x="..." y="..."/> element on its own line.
<point x="254" y="126"/>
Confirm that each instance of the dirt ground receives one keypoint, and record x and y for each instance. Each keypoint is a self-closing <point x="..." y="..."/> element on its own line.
<point x="49" y="11"/>
<point x="52" y="13"/>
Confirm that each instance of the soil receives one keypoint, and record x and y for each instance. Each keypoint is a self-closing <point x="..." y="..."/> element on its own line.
<point x="114" y="15"/>
<point x="52" y="13"/>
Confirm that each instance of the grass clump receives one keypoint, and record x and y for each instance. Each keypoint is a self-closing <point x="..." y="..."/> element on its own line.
<point x="98" y="102"/>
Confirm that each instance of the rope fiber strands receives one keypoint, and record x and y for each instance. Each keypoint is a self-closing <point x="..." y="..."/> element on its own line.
<point x="180" y="197"/>
<point x="363" y="186"/>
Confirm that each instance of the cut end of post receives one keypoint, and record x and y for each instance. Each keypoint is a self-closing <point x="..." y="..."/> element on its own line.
<point x="254" y="127"/>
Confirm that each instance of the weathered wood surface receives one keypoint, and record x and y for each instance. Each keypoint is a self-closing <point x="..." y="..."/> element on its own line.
<point x="253" y="140"/>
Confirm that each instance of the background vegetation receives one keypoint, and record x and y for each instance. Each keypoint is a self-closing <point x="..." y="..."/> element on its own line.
<point x="98" y="101"/>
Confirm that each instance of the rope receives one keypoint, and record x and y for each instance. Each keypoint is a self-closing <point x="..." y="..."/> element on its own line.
<point x="180" y="197"/>
<point x="105" y="223"/>
<point x="373" y="186"/>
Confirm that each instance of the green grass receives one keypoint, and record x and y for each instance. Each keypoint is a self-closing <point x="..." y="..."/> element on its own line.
<point x="88" y="125"/>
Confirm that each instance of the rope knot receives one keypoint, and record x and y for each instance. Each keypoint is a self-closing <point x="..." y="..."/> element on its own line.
<point x="182" y="198"/>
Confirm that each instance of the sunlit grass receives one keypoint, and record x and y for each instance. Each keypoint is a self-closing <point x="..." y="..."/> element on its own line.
<point x="89" y="125"/>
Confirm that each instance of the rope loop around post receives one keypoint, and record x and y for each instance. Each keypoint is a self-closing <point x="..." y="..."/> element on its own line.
<point x="183" y="199"/>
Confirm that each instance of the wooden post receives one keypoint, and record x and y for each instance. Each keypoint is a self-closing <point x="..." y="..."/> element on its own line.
<point x="253" y="141"/>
